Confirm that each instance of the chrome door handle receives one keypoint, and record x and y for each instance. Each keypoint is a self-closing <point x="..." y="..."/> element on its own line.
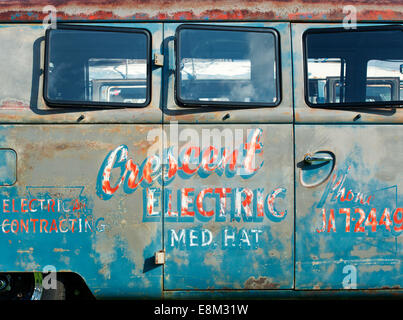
<point x="321" y="158"/>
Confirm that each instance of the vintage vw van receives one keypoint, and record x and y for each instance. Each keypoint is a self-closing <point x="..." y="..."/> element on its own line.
<point x="155" y="150"/>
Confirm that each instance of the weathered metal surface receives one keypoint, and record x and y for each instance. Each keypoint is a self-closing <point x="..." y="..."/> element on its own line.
<point x="296" y="10"/>
<point x="230" y="229"/>
<point x="280" y="114"/>
<point x="284" y="294"/>
<point x="62" y="161"/>
<point x="351" y="224"/>
<point x="58" y="213"/>
<point x="21" y="97"/>
<point x="337" y="249"/>
<point x="8" y="167"/>
<point x="305" y="114"/>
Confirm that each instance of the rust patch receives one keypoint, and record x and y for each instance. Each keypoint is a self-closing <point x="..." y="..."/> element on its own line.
<point x="13" y="104"/>
<point x="30" y="250"/>
<point x="206" y="10"/>
<point x="260" y="283"/>
<point x="60" y="250"/>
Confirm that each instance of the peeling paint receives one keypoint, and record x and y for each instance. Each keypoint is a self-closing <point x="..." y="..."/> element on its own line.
<point x="296" y="10"/>
<point x="260" y="283"/>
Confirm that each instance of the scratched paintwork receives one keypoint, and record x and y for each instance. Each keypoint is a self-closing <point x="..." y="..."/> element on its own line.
<point x="8" y="167"/>
<point x="283" y="294"/>
<point x="266" y="265"/>
<point x="372" y="151"/>
<point x="297" y="10"/>
<point x="62" y="162"/>
<point x="367" y="156"/>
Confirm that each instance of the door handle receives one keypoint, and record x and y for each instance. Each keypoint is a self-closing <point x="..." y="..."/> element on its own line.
<point x="308" y="158"/>
<point x="316" y="168"/>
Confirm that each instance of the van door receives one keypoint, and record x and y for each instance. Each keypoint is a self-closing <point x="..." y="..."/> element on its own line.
<point x="348" y="151"/>
<point x="228" y="190"/>
<point x="64" y="182"/>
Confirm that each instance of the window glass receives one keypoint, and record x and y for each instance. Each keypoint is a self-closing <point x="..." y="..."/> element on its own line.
<point x="224" y="65"/>
<point x="351" y="67"/>
<point x="97" y="67"/>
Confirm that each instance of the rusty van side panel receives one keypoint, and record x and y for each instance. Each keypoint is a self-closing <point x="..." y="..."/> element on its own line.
<point x="81" y="189"/>
<point x="231" y="226"/>
<point x="77" y="202"/>
<point x="351" y="224"/>
<point x="60" y="211"/>
<point x="53" y="211"/>
<point x="348" y="215"/>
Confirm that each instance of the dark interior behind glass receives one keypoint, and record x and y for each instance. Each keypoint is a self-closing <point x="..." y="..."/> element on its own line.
<point x="227" y="66"/>
<point x="97" y="67"/>
<point x="358" y="66"/>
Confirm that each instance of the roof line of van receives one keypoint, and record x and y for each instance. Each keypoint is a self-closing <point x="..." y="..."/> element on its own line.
<point x="190" y="10"/>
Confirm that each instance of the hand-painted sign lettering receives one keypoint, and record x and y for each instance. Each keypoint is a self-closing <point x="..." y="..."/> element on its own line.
<point x="222" y="203"/>
<point x="357" y="209"/>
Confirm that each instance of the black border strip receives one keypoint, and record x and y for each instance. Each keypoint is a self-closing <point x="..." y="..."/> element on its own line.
<point x="348" y="105"/>
<point x="77" y="104"/>
<point x="192" y="103"/>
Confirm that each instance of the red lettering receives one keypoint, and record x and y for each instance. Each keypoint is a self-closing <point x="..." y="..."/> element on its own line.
<point x="53" y="205"/>
<point x="397" y="220"/>
<point x="323" y="222"/>
<point x="346" y="211"/>
<point x="209" y="157"/>
<point x="185" y="201"/>
<point x="34" y="221"/>
<point x="5" y="205"/>
<point x="222" y="192"/>
<point x="332" y="223"/>
<point x="53" y="226"/>
<point x="134" y="171"/>
<point x="30" y="205"/>
<point x="41" y="224"/>
<point x="13" y="203"/>
<point x="186" y="160"/>
<point x="199" y="202"/>
<point x="23" y="204"/>
<point x="24" y="225"/>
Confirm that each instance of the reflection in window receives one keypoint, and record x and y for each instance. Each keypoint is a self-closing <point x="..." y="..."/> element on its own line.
<point x="384" y="80"/>
<point x="97" y="67"/>
<point x="361" y="66"/>
<point x="228" y="66"/>
<point x="215" y="69"/>
<point x="324" y="79"/>
<point x="118" y="80"/>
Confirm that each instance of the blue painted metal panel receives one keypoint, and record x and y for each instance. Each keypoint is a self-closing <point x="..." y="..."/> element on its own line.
<point x="56" y="214"/>
<point x="63" y="170"/>
<point x="227" y="228"/>
<point x="213" y="248"/>
<point x="348" y="228"/>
